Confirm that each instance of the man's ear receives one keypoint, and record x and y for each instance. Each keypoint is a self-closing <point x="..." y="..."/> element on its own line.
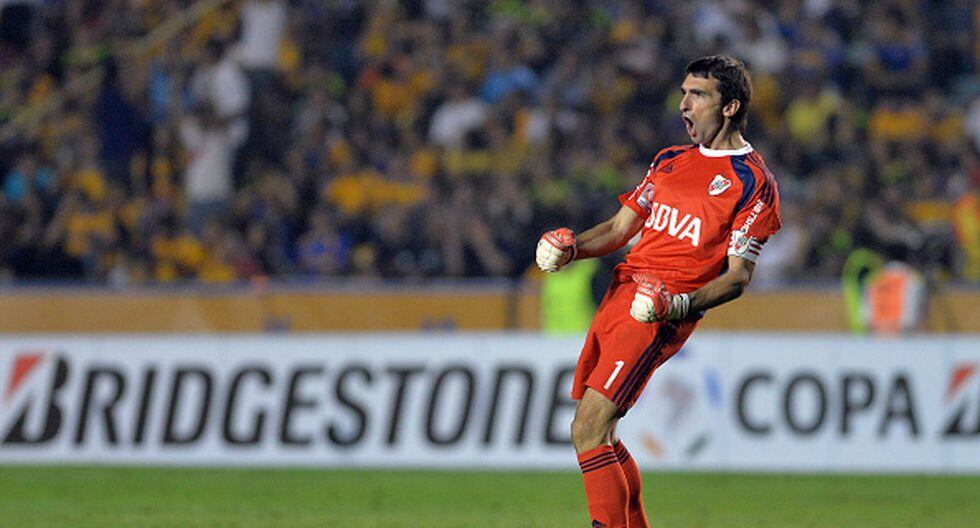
<point x="731" y="108"/>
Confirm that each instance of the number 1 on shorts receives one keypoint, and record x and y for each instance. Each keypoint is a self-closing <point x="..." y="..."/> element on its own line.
<point x="619" y="365"/>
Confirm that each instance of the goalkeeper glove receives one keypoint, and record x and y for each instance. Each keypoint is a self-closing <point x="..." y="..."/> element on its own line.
<point x="653" y="302"/>
<point x="555" y="249"/>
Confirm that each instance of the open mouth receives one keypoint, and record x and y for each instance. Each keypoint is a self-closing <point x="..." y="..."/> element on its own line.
<point x="689" y="124"/>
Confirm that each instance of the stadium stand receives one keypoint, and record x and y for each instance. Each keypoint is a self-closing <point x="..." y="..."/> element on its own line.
<point x="428" y="138"/>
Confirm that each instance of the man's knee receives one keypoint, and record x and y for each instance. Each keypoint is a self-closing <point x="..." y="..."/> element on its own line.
<point x="595" y="419"/>
<point x="586" y="434"/>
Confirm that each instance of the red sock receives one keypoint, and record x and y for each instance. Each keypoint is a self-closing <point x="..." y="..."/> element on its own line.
<point x="605" y="487"/>
<point x="637" y="515"/>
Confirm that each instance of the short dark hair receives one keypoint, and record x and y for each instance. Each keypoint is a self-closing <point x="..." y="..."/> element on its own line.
<point x="733" y="79"/>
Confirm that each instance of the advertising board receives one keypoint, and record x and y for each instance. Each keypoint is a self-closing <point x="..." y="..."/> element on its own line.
<point x="726" y="401"/>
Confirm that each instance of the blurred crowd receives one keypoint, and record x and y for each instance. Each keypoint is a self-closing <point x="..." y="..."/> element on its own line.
<point x="439" y="138"/>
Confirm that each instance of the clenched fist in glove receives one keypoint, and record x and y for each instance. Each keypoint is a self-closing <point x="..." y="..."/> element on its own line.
<point x="555" y="249"/>
<point x="653" y="302"/>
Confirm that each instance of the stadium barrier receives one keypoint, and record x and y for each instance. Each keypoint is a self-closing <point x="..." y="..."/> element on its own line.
<point x="726" y="402"/>
<point x="373" y="307"/>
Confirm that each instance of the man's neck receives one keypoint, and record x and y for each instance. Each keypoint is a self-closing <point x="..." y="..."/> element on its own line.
<point x="728" y="138"/>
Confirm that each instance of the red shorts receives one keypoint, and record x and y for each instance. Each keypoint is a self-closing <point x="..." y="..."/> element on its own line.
<point x="620" y="353"/>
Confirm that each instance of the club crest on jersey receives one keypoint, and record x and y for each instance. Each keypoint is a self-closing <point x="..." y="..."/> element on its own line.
<point x="740" y="243"/>
<point x="646" y="196"/>
<point x="718" y="185"/>
<point x="745" y="246"/>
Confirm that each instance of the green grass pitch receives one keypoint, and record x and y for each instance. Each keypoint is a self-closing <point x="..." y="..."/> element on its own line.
<point x="113" y="497"/>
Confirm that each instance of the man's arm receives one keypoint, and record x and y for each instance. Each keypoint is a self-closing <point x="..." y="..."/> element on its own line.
<point x="653" y="302"/>
<point x="610" y="235"/>
<point x="561" y="246"/>
<point x="726" y="287"/>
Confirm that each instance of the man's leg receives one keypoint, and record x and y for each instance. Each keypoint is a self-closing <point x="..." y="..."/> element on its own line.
<point x="637" y="515"/>
<point x="606" y="489"/>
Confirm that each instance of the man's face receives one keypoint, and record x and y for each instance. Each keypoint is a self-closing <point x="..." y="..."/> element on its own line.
<point x="701" y="108"/>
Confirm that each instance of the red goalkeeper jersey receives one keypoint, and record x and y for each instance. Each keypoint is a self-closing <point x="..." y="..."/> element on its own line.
<point x="700" y="206"/>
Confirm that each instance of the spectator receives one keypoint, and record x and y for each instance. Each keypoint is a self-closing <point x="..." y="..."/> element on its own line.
<point x="219" y="82"/>
<point x="27" y="177"/>
<point x="322" y="250"/>
<point x="427" y="139"/>
<point x="456" y="117"/>
<point x="208" y="181"/>
<point x="263" y="25"/>
<point x="123" y="129"/>
<point x="966" y="221"/>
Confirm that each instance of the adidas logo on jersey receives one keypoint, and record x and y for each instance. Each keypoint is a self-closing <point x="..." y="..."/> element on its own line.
<point x="664" y="217"/>
<point x="719" y="185"/>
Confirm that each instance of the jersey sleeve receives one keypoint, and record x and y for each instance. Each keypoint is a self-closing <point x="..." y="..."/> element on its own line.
<point x="756" y="220"/>
<point x="640" y="199"/>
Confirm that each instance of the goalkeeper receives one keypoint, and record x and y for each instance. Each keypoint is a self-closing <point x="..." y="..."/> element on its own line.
<point x="703" y="212"/>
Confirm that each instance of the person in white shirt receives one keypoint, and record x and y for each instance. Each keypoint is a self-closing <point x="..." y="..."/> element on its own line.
<point x="460" y="114"/>
<point x="208" y="180"/>
<point x="263" y="24"/>
<point x="220" y="83"/>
